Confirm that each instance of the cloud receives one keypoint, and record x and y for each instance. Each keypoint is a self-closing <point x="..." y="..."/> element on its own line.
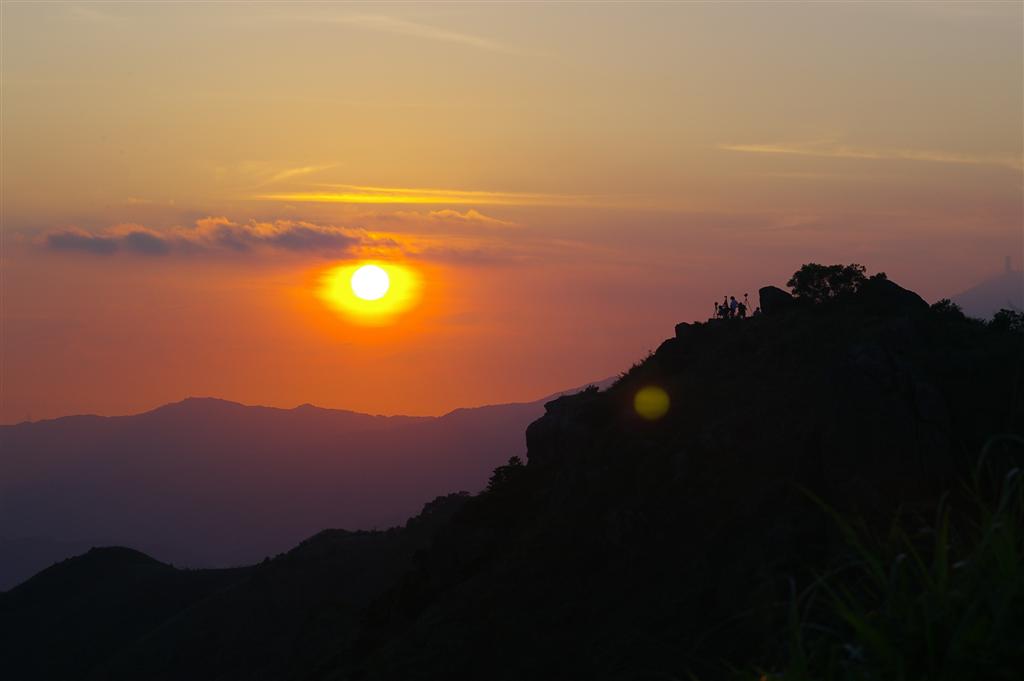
<point x="145" y="242"/>
<point x="832" y="150"/>
<point x="220" y="235"/>
<point x="255" y="175"/>
<point x="469" y="216"/>
<point x="78" y="240"/>
<point x="387" y="24"/>
<point x="306" y="237"/>
<point x="289" y="173"/>
<point x="358" y="194"/>
<point x="462" y="250"/>
<point x="450" y="216"/>
<point x="216" y="234"/>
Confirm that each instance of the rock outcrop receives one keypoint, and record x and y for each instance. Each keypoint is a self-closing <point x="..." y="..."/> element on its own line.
<point x="884" y="296"/>
<point x="774" y="299"/>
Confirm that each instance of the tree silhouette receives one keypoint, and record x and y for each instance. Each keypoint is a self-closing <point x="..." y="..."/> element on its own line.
<point x="502" y="474"/>
<point x="818" y="283"/>
<point x="948" y="308"/>
<point x="1008" y="320"/>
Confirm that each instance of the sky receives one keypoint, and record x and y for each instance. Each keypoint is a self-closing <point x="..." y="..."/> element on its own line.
<point x="552" y="186"/>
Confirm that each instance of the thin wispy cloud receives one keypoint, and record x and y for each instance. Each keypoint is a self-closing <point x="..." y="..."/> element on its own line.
<point x="357" y="194"/>
<point x="440" y="222"/>
<point x="256" y="175"/>
<point x="469" y="217"/>
<point x="143" y="201"/>
<point x="389" y="24"/>
<point x="832" y="150"/>
<point x="289" y="173"/>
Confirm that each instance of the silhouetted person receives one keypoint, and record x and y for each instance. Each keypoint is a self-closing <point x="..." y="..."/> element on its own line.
<point x="733" y="304"/>
<point x="722" y="309"/>
<point x="741" y="311"/>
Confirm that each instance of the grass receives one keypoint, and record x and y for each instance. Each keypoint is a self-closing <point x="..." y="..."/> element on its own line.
<point x="937" y="601"/>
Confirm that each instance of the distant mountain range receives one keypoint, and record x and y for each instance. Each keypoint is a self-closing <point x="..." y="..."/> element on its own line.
<point x="1005" y="290"/>
<point x="206" y="482"/>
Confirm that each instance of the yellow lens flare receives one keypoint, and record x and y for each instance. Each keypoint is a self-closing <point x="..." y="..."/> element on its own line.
<point x="370" y="293"/>
<point x="651" y="403"/>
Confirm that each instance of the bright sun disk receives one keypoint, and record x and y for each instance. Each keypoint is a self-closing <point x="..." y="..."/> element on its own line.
<point x="370" y="282"/>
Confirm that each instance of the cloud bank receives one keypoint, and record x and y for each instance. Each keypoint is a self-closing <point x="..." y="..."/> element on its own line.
<point x="442" y="235"/>
<point x="215" y="234"/>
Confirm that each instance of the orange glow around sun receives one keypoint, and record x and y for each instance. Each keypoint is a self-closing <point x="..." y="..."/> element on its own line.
<point x="370" y="293"/>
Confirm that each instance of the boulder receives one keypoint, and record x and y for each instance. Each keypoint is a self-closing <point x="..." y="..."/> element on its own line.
<point x="774" y="299"/>
<point x="884" y="296"/>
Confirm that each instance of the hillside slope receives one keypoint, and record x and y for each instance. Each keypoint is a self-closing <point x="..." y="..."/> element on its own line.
<point x="631" y="549"/>
<point x="116" y="613"/>
<point x="624" y="548"/>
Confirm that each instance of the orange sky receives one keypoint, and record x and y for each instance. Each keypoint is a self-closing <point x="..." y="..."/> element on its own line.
<point x="565" y="181"/>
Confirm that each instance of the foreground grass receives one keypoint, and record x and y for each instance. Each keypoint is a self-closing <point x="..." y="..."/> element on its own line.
<point x="943" y="601"/>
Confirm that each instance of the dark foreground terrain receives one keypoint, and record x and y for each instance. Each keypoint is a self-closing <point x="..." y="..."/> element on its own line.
<point x="815" y="504"/>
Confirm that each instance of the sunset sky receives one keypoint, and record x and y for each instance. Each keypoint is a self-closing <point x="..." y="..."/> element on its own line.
<point x="558" y="184"/>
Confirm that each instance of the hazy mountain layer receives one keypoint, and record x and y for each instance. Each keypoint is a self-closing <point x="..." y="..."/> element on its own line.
<point x="206" y="482"/>
<point x="1004" y="291"/>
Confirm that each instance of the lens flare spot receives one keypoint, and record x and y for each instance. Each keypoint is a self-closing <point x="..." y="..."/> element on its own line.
<point x="370" y="282"/>
<point x="651" y="403"/>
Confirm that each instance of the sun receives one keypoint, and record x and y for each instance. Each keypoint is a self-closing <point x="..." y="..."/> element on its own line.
<point x="370" y="293"/>
<point x="370" y="282"/>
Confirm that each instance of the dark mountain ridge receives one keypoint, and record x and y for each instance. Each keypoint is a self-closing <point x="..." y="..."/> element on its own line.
<point x="624" y="548"/>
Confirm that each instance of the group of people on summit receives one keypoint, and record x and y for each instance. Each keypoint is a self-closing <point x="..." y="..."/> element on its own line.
<point x="730" y="308"/>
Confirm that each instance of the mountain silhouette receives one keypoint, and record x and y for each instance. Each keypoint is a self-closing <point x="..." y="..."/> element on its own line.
<point x="1002" y="291"/>
<point x="115" y="604"/>
<point x="206" y="482"/>
<point x="624" y="548"/>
